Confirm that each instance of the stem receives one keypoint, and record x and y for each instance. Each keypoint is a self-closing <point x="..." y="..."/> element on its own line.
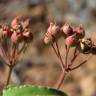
<point x="60" y="55"/>
<point x="81" y="63"/>
<point x="55" y="50"/>
<point x="75" y="55"/>
<point x="14" y="54"/>
<point x="78" y="65"/>
<point x="67" y="51"/>
<point x="4" y="56"/>
<point x="22" y="49"/>
<point x="60" y="81"/>
<point x="9" y="74"/>
<point x="62" y="65"/>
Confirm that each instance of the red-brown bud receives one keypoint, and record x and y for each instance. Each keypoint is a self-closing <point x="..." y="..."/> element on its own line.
<point x="53" y="29"/>
<point x="67" y="29"/>
<point x="48" y="39"/>
<point x="25" y="24"/>
<point x="15" y="22"/>
<point x="1" y="33"/>
<point x="70" y="40"/>
<point x="16" y="37"/>
<point x="80" y="31"/>
<point x="28" y="36"/>
<point x="6" y="30"/>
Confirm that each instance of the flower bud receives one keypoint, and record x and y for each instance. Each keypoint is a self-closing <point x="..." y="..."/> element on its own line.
<point x="70" y="40"/>
<point x="79" y="31"/>
<point x="28" y="36"/>
<point x="15" y="22"/>
<point x="1" y="33"/>
<point x="53" y="29"/>
<point x="6" y="30"/>
<point x="48" y="39"/>
<point x="67" y="29"/>
<point x="16" y="37"/>
<point x="25" y="24"/>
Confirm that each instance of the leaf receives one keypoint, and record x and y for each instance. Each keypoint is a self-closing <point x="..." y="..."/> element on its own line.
<point x="28" y="90"/>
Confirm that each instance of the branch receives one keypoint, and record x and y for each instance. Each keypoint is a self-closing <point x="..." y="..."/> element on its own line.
<point x="78" y="65"/>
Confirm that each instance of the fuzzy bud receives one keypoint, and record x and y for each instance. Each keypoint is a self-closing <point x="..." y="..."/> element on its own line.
<point x="16" y="37"/>
<point x="48" y="39"/>
<point x="25" y="24"/>
<point x="15" y="22"/>
<point x="1" y="33"/>
<point x="6" y="30"/>
<point x="70" y="40"/>
<point x="53" y="29"/>
<point x="28" y="36"/>
<point x="67" y="29"/>
<point x="80" y="31"/>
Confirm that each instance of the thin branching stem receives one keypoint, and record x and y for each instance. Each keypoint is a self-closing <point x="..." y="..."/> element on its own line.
<point x="58" y="57"/>
<point x="63" y="74"/>
<point x="78" y="65"/>
<point x="75" y="55"/>
<point x="60" y="81"/>
<point x="9" y="75"/>
<point x="22" y="49"/>
<point x="66" y="57"/>
<point x="60" y="54"/>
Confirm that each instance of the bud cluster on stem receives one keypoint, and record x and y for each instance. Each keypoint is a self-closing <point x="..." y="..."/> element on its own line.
<point x="73" y="37"/>
<point x="14" y="38"/>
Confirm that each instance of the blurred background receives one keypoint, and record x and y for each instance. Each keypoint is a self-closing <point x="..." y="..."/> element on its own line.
<point x="39" y="65"/>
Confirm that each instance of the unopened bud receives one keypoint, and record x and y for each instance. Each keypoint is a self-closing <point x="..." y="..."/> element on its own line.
<point x="53" y="29"/>
<point x="15" y="37"/>
<point x="80" y="31"/>
<point x="70" y="40"/>
<point x="15" y="22"/>
<point x="6" y="30"/>
<point x="25" y="24"/>
<point x="67" y="29"/>
<point x="48" y="39"/>
<point x="28" y="36"/>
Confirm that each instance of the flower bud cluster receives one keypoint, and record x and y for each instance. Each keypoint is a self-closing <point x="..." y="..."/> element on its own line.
<point x="17" y="31"/>
<point x="53" y="33"/>
<point x="72" y="34"/>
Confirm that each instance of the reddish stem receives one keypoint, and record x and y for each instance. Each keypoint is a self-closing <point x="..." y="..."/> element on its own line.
<point x="67" y="51"/>
<point x="62" y="76"/>
<point x="60" y="55"/>
<point x="60" y="81"/>
<point x="74" y="56"/>
<point x="78" y="65"/>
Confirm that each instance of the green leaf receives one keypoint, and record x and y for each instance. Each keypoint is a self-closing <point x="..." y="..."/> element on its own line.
<point x="28" y="90"/>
